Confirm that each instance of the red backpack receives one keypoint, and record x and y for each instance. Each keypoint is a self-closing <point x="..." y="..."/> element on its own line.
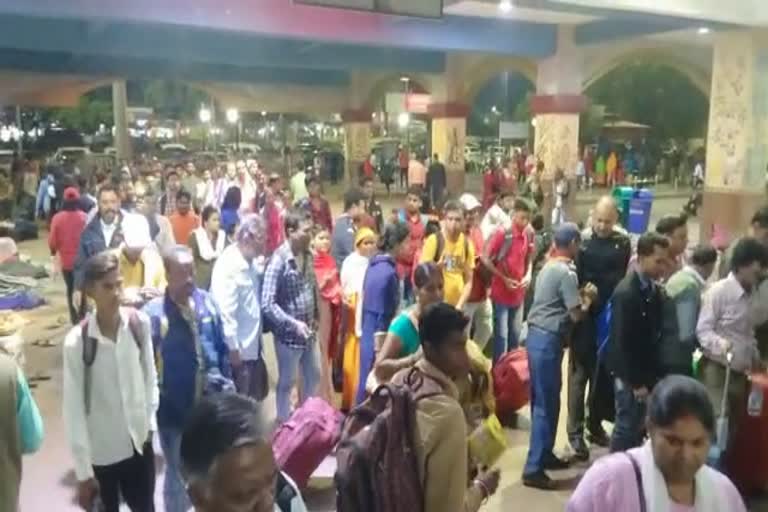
<point x="378" y="469"/>
<point x="511" y="382"/>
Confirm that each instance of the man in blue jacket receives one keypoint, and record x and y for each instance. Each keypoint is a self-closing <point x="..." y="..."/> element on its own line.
<point x="192" y="360"/>
<point x="101" y="233"/>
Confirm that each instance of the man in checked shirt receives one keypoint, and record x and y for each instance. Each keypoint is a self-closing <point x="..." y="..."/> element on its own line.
<point x="289" y="301"/>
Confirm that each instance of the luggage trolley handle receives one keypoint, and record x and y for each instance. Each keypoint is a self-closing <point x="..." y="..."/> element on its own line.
<point x="724" y="399"/>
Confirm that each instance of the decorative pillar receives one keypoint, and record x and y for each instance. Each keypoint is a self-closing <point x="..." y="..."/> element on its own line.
<point x="556" y="109"/>
<point x="120" y="115"/>
<point x="357" y="142"/>
<point x="449" y="134"/>
<point x="737" y="141"/>
<point x="557" y="142"/>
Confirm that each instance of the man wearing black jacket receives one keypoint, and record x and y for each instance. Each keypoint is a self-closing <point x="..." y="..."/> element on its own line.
<point x="602" y="260"/>
<point x="635" y="335"/>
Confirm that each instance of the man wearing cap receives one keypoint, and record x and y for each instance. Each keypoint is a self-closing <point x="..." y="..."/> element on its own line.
<point x="478" y="306"/>
<point x="140" y="264"/>
<point x="67" y="226"/>
<point x="557" y="303"/>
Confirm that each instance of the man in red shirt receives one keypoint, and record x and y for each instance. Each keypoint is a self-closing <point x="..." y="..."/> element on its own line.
<point x="412" y="217"/>
<point x="63" y="240"/>
<point x="478" y="307"/>
<point x="508" y="257"/>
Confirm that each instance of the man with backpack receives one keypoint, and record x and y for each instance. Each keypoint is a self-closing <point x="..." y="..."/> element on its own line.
<point x="110" y="396"/>
<point x="227" y="459"/>
<point x="375" y="473"/>
<point x="508" y="256"/>
<point x="452" y="251"/>
<point x="188" y="334"/>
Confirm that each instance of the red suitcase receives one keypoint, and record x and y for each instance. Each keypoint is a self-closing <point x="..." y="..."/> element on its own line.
<point x="747" y="459"/>
<point x="511" y="382"/>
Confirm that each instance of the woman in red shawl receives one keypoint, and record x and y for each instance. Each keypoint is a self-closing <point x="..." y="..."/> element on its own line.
<point x="491" y="185"/>
<point x="274" y="213"/>
<point x="329" y="288"/>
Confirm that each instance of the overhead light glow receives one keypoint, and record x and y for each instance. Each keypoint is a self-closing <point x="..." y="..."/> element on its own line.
<point x="704" y="31"/>
<point x="232" y="115"/>
<point x="403" y="119"/>
<point x="505" y="6"/>
<point x="205" y="115"/>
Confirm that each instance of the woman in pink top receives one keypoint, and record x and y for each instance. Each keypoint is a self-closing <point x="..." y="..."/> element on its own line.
<point x="668" y="473"/>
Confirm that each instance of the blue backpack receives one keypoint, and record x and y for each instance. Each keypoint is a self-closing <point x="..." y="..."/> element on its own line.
<point x="604" y="329"/>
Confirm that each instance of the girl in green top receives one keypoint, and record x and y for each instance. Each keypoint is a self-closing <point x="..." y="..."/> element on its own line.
<point x="401" y="346"/>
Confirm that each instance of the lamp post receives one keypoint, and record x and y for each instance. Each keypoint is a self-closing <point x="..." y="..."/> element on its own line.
<point x="404" y="119"/>
<point x="233" y="117"/>
<point x="205" y="118"/>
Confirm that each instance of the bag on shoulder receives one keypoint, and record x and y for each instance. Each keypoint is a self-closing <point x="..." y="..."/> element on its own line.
<point x="377" y="461"/>
<point x="91" y="346"/>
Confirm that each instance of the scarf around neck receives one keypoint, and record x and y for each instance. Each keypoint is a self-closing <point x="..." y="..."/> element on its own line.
<point x="207" y="251"/>
<point x="708" y="497"/>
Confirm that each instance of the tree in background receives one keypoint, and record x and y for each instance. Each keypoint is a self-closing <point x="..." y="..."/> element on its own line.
<point x="655" y="94"/>
<point x="172" y="99"/>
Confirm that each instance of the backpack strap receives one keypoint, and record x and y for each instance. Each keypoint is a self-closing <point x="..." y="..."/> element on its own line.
<point x="439" y="246"/>
<point x="639" y="481"/>
<point x="90" y="347"/>
<point x="505" y="246"/>
<point x="284" y="493"/>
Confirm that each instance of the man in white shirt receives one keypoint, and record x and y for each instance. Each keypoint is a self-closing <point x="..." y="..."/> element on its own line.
<point x="110" y="396"/>
<point x="227" y="459"/>
<point x="235" y="288"/>
<point x="497" y="215"/>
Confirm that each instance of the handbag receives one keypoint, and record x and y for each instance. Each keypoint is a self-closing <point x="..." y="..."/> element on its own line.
<point x="260" y="376"/>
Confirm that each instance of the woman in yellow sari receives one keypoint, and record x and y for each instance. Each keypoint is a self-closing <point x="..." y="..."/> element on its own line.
<point x="352" y="274"/>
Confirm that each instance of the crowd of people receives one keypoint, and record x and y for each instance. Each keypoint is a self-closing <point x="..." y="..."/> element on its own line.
<point x="174" y="279"/>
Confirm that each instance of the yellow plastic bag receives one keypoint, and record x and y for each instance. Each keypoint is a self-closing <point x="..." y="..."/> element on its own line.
<point x="488" y="442"/>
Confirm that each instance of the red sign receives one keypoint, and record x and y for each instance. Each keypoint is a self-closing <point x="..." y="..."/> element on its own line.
<point x="417" y="103"/>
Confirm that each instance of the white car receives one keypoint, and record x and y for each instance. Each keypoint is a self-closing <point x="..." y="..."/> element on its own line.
<point x="71" y="153"/>
<point x="173" y="147"/>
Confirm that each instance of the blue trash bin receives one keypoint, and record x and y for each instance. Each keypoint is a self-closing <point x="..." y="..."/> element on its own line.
<point x="640" y="211"/>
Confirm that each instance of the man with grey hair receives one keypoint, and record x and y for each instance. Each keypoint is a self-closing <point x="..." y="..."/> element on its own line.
<point x="227" y="459"/>
<point x="235" y="288"/>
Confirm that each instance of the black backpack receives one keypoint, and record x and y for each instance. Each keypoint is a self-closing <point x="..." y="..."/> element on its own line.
<point x="91" y="346"/>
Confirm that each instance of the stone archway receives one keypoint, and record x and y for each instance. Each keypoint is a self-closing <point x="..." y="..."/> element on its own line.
<point x="700" y="77"/>
<point x="377" y="85"/>
<point x="480" y="72"/>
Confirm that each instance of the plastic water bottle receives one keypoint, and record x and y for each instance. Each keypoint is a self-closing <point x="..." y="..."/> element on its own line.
<point x="755" y="401"/>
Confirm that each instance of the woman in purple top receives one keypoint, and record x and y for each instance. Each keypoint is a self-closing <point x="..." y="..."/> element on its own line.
<point x="381" y="292"/>
<point x="667" y="474"/>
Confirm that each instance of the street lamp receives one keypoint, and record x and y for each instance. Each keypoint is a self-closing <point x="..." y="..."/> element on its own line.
<point x="403" y="119"/>
<point x="205" y="115"/>
<point x="233" y="118"/>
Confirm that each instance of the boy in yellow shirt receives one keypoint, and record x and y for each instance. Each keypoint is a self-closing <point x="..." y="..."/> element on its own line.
<point x="450" y="249"/>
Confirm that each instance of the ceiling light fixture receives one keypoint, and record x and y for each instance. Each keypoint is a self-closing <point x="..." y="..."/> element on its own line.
<point x="505" y="6"/>
<point x="704" y="31"/>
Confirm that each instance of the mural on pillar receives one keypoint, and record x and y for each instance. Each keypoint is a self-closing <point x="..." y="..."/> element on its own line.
<point x="357" y="138"/>
<point x="557" y="143"/>
<point x="729" y="116"/>
<point x="757" y="154"/>
<point x="448" y="139"/>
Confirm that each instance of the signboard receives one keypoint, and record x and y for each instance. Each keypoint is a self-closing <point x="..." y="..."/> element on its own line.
<point x="418" y="8"/>
<point x="510" y="130"/>
<point x="397" y="102"/>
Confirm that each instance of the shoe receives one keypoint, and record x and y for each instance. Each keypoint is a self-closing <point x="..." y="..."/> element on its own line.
<point x="580" y="451"/>
<point x="599" y="438"/>
<point x="539" y="480"/>
<point x="555" y="463"/>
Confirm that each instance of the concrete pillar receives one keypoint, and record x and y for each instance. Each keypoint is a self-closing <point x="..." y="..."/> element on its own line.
<point x="449" y="133"/>
<point x="120" y="115"/>
<point x="556" y="107"/>
<point x="737" y="141"/>
<point x="357" y="142"/>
